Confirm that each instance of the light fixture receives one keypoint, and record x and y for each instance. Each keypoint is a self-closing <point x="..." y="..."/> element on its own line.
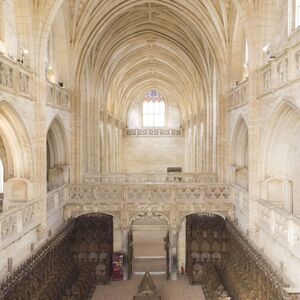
<point x="267" y="48"/>
<point x="23" y="52"/>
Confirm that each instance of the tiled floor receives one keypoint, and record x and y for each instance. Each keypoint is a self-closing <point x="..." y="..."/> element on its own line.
<point x="169" y="290"/>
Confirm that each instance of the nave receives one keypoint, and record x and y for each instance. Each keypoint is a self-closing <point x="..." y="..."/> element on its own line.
<point x="220" y="264"/>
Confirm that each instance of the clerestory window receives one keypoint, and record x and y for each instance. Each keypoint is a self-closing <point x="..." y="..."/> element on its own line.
<point x="154" y="110"/>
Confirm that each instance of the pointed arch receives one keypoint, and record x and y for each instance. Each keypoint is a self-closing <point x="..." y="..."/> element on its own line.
<point x="282" y="124"/>
<point x="239" y="143"/>
<point x="281" y="157"/>
<point x="57" y="154"/>
<point x="57" y="139"/>
<point x="239" y="153"/>
<point x="16" y="143"/>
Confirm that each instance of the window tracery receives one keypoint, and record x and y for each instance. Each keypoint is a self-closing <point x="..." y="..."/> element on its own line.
<point x="154" y="109"/>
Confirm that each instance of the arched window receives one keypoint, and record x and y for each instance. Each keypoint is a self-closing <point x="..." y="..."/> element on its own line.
<point x="154" y="110"/>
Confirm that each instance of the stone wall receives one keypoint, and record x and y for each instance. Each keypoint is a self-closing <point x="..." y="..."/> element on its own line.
<point x="152" y="154"/>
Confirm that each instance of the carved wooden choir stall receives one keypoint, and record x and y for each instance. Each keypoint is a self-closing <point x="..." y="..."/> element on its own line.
<point x="222" y="260"/>
<point x="68" y="265"/>
<point x="218" y="257"/>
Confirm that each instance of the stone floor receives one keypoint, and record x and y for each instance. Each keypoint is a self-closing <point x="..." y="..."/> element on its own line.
<point x="169" y="290"/>
<point x="149" y="264"/>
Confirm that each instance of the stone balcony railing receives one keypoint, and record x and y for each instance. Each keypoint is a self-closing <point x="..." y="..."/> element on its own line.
<point x="55" y="200"/>
<point x="15" y="78"/>
<point x="239" y="95"/>
<point x="161" y="132"/>
<point x="281" y="225"/>
<point x="58" y="97"/>
<point x="172" y="202"/>
<point x="142" y="178"/>
<point x="149" y="193"/>
<point x="16" y="222"/>
<point x="280" y="71"/>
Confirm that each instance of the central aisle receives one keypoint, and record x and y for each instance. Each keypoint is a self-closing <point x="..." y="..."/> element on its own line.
<point x="169" y="290"/>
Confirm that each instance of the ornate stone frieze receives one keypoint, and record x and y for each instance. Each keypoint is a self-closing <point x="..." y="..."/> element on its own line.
<point x="91" y="193"/>
<point x="178" y="178"/>
<point x="154" y="132"/>
<point x="130" y="200"/>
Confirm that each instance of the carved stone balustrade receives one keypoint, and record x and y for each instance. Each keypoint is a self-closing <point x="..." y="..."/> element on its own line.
<point x="154" y="132"/>
<point x="239" y="95"/>
<point x="15" y="78"/>
<point x="168" y="178"/>
<point x="17" y="222"/>
<point x="127" y="200"/>
<point x="58" y="97"/>
<point x="281" y="225"/>
<point x="281" y="70"/>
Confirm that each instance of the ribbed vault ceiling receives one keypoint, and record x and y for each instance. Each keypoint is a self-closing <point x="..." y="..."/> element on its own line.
<point x="132" y="46"/>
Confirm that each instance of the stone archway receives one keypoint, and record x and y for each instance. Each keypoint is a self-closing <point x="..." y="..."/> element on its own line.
<point x="205" y="243"/>
<point x="57" y="155"/>
<point x="16" y="157"/>
<point x="239" y="156"/>
<point x="149" y="232"/>
<point x="281" y="158"/>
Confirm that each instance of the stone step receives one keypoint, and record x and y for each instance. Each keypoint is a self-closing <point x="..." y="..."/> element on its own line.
<point x="152" y="264"/>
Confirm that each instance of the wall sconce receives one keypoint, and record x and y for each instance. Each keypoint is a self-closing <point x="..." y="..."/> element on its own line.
<point x="268" y="50"/>
<point x="22" y="52"/>
<point x="50" y="74"/>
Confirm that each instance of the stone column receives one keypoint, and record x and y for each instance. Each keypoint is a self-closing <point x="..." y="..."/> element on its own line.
<point x="125" y="231"/>
<point x="173" y="243"/>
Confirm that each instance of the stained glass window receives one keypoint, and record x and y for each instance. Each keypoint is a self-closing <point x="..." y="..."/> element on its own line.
<point x="153" y="110"/>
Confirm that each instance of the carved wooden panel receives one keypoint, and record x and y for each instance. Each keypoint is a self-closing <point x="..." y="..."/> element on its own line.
<point x="68" y="265"/>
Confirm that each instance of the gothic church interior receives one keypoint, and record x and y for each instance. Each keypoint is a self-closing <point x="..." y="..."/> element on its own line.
<point x="150" y="135"/>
